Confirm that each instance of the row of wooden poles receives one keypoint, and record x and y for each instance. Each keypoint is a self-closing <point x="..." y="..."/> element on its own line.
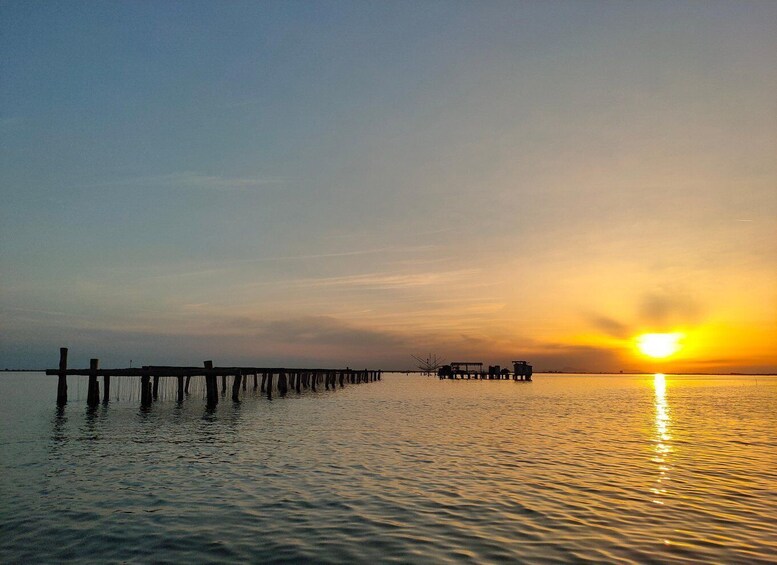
<point x="288" y="379"/>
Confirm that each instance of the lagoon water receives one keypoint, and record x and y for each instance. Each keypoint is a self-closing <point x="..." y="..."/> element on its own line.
<point x="568" y="468"/>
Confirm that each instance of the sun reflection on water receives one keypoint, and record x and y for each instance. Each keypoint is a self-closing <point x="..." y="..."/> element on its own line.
<point x="662" y="442"/>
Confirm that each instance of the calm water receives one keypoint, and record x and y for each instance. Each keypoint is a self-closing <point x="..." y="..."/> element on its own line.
<point x="410" y="469"/>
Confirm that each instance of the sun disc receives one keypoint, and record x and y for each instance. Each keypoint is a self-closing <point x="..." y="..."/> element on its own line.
<point x="659" y="345"/>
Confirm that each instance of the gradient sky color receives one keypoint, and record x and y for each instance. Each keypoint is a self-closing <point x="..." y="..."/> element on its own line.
<point x="329" y="183"/>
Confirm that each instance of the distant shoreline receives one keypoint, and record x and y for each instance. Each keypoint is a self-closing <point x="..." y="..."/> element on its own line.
<point x="535" y="372"/>
<point x="625" y="373"/>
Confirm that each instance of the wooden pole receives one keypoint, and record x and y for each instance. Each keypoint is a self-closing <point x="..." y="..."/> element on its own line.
<point x="269" y="384"/>
<point x="298" y="376"/>
<point x="106" y="388"/>
<point x="156" y="387"/>
<point x="180" y="388"/>
<point x="93" y="392"/>
<point x="223" y="385"/>
<point x="211" y="386"/>
<point x="62" y="382"/>
<point x="186" y="387"/>
<point x="283" y="386"/>
<point x="145" y="388"/>
<point x="256" y="383"/>
<point x="236" y="387"/>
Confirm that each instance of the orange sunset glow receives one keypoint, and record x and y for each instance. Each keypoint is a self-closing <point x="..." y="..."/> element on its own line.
<point x="364" y="282"/>
<point x="487" y="202"/>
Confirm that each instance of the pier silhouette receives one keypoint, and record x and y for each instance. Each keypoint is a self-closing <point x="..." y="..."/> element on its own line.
<point x="287" y="379"/>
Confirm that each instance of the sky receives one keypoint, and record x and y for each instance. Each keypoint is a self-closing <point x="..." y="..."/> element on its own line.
<point x="350" y="183"/>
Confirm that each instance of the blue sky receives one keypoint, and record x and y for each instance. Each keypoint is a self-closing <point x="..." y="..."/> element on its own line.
<point x="352" y="182"/>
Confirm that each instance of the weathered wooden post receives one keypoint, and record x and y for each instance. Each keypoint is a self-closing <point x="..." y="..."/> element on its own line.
<point x="223" y="385"/>
<point x="283" y="386"/>
<point x="186" y="388"/>
<point x="180" y="388"/>
<point x="244" y="381"/>
<point x="256" y="382"/>
<point x="236" y="387"/>
<point x="93" y="392"/>
<point x="313" y="377"/>
<point x="264" y="381"/>
<point x="326" y="381"/>
<point x="298" y="384"/>
<point x="211" y="386"/>
<point x="106" y="388"/>
<point x="156" y="387"/>
<point x="62" y="379"/>
<point x="269" y="384"/>
<point x="145" y="387"/>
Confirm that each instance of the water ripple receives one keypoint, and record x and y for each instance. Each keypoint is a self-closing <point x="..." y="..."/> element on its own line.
<point x="568" y="469"/>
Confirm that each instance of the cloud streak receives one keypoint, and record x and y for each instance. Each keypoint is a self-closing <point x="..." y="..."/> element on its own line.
<point x="387" y="281"/>
<point x="657" y="310"/>
<point x="196" y="181"/>
<point x="668" y="307"/>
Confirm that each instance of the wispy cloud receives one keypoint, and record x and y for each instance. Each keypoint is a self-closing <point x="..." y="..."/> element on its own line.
<point x="388" y="280"/>
<point x="660" y="309"/>
<point x="35" y="311"/>
<point x="566" y="357"/>
<point x="354" y="252"/>
<point x="196" y="181"/>
<point x="219" y="267"/>
<point x="610" y="326"/>
<point x="669" y="306"/>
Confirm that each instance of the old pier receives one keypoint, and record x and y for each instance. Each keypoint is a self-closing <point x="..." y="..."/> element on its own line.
<point x="273" y="379"/>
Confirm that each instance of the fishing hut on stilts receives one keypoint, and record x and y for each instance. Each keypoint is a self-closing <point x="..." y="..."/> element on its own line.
<point x="522" y="371"/>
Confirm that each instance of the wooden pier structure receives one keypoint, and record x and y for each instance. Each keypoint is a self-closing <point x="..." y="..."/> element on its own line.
<point x="522" y="371"/>
<point x="272" y="378"/>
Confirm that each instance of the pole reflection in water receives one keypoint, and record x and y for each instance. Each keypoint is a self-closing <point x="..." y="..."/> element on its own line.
<point x="663" y="447"/>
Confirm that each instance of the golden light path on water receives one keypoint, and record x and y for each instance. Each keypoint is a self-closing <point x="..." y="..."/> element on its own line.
<point x="662" y="448"/>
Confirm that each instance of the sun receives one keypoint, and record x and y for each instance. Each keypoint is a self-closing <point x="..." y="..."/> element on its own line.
<point x="659" y="345"/>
